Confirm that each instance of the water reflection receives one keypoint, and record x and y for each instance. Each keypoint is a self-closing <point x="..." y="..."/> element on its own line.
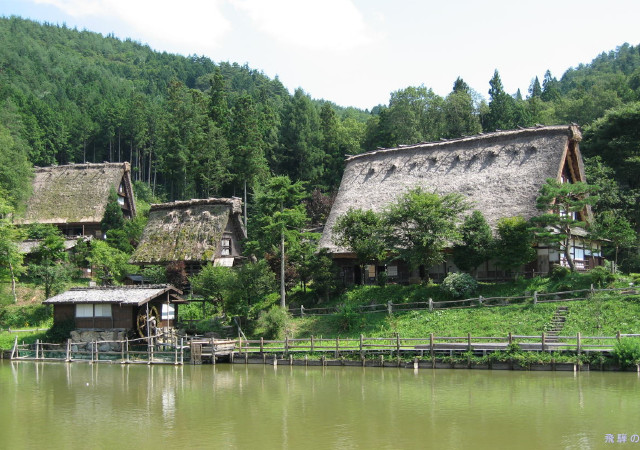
<point x="247" y="406"/>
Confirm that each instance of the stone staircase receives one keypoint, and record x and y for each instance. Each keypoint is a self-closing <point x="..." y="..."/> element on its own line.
<point x="557" y="324"/>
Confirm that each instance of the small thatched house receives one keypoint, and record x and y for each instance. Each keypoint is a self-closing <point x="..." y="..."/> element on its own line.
<point x="118" y="307"/>
<point x="500" y="173"/>
<point x="74" y="197"/>
<point x="196" y="232"/>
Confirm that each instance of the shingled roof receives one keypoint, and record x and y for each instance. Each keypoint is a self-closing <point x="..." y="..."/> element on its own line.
<point x="499" y="173"/>
<point x="125" y="295"/>
<point x="187" y="230"/>
<point x="75" y="193"/>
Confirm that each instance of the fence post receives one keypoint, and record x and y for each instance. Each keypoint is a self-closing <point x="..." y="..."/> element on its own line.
<point x="301" y="310"/>
<point x="431" y="343"/>
<point x="68" y="350"/>
<point x="398" y="343"/>
<point x="542" y="341"/>
<point x="480" y="299"/>
<point x="286" y="345"/>
<point x="389" y="307"/>
<point x="535" y="297"/>
<point x="312" y="343"/>
<point x="618" y="336"/>
<point x="430" y="304"/>
<point x="593" y="291"/>
<point x="337" y="344"/>
<point x="361" y="345"/>
<point x="261" y="344"/>
<point x="578" y="344"/>
<point x="468" y="341"/>
<point x="510" y="338"/>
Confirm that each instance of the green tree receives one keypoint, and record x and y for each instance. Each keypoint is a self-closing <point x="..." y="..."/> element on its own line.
<point x="113" y="218"/>
<point x="110" y="263"/>
<point x="300" y="155"/>
<point x="564" y="206"/>
<point x="501" y="106"/>
<point x="615" y="230"/>
<point x="213" y="283"/>
<point x="10" y="256"/>
<point x="280" y="215"/>
<point x="420" y="225"/>
<point x="360" y="231"/>
<point x="460" y="115"/>
<point x="514" y="243"/>
<point x="477" y="242"/>
<point x="50" y="268"/>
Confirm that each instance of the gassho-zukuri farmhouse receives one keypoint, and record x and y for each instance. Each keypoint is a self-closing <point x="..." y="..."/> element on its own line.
<point x="499" y="173"/>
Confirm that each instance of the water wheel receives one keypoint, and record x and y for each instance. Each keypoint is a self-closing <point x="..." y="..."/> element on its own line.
<point x="141" y="321"/>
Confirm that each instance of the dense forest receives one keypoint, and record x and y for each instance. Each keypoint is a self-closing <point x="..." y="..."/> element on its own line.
<point x="195" y="128"/>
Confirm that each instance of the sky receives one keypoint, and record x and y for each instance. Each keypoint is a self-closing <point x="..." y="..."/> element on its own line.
<point x="357" y="52"/>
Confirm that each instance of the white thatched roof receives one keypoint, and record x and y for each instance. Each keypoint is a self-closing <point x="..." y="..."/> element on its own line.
<point x="129" y="295"/>
<point x="75" y="193"/>
<point x="500" y="173"/>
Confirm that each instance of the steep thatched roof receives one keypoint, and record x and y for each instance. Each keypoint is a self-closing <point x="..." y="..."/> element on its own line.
<point x="187" y="230"/>
<point x="500" y="173"/>
<point x="126" y="295"/>
<point x="75" y="193"/>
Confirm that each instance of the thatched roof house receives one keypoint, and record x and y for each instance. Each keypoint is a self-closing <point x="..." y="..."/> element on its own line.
<point x="194" y="231"/>
<point x="116" y="307"/>
<point x="500" y="173"/>
<point x="74" y="197"/>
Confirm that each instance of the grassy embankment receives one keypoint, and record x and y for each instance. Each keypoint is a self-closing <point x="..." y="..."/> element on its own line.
<point x="28" y="313"/>
<point x="603" y="315"/>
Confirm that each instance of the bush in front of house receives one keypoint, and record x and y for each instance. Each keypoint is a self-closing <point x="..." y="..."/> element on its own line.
<point x="459" y="285"/>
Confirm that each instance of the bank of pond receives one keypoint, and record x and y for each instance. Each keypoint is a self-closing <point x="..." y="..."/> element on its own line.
<point x="511" y="352"/>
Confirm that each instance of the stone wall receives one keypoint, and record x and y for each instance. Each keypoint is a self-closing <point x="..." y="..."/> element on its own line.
<point x="81" y="340"/>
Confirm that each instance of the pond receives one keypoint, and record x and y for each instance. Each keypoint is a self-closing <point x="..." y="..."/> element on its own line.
<point x="78" y="405"/>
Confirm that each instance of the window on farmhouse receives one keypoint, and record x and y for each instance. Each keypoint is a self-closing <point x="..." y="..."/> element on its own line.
<point x="168" y="312"/>
<point x="84" y="310"/>
<point x="225" y="249"/>
<point x="103" y="310"/>
<point x="93" y="310"/>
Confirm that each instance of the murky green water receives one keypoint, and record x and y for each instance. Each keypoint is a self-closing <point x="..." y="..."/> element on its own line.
<point x="57" y="405"/>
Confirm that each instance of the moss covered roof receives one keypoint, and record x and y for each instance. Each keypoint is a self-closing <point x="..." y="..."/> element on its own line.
<point x="186" y="230"/>
<point x="75" y="193"/>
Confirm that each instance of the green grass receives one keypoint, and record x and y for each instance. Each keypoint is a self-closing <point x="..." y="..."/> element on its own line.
<point x="7" y="339"/>
<point x="603" y="315"/>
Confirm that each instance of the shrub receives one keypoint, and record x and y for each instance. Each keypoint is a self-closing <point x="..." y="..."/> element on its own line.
<point x="272" y="323"/>
<point x="627" y="352"/>
<point x="600" y="276"/>
<point x="559" y="272"/>
<point x="459" y="285"/>
<point x="349" y="318"/>
<point x="60" y="331"/>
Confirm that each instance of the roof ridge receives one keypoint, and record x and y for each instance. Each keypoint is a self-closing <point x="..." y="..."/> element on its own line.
<point x="572" y="129"/>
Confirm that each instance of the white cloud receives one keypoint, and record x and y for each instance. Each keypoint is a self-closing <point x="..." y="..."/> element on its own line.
<point x="326" y="25"/>
<point x="191" y="25"/>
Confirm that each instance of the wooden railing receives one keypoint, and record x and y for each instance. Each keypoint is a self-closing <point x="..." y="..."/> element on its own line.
<point x="432" y="344"/>
<point x="430" y="304"/>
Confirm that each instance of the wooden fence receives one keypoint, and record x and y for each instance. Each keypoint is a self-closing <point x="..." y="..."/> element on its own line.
<point x="390" y="308"/>
<point x="130" y="351"/>
<point x="432" y="345"/>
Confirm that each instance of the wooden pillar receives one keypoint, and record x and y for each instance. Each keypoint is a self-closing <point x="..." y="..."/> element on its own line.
<point x="431" y="345"/>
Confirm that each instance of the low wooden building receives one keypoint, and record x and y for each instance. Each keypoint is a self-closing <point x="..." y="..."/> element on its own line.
<point x="118" y="307"/>
<point x="196" y="232"/>
<point x="500" y="174"/>
<point x="74" y="197"/>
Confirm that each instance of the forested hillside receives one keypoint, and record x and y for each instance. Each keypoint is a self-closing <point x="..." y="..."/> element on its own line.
<point x="195" y="128"/>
